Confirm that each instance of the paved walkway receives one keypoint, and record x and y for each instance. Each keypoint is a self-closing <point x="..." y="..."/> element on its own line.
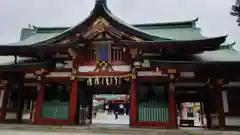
<point x="6" y="129"/>
<point x="102" y="118"/>
<point x="104" y="125"/>
<point x="13" y="132"/>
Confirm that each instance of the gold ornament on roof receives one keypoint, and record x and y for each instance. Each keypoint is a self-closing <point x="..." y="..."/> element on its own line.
<point x="133" y="76"/>
<point x="43" y="70"/>
<point x="100" y="24"/>
<point x="133" y="52"/>
<point x="172" y="71"/>
<point x="171" y="76"/>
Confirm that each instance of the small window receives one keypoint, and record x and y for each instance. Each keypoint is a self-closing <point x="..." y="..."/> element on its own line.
<point x="91" y="55"/>
<point x="117" y="54"/>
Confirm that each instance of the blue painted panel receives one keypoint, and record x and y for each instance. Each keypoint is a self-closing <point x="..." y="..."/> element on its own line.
<point x="103" y="53"/>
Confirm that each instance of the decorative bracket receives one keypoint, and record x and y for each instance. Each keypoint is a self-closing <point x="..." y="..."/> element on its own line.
<point x="212" y="83"/>
<point x="72" y="53"/>
<point x="134" y="52"/>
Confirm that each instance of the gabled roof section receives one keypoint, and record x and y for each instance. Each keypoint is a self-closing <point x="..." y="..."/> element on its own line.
<point x="101" y="11"/>
<point x="161" y="32"/>
<point x="185" y="30"/>
<point x="182" y="30"/>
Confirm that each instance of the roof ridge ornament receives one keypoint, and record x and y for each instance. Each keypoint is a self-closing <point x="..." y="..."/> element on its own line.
<point x="101" y="5"/>
<point x="101" y="2"/>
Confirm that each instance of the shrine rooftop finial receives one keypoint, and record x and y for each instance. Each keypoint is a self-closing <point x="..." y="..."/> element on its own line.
<point x="101" y="5"/>
<point x="101" y="2"/>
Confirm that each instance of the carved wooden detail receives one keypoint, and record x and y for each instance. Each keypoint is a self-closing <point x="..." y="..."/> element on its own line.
<point x="100" y="29"/>
<point x="103" y="67"/>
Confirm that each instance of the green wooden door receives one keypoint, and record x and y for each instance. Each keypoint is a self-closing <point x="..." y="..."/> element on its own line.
<point x="153" y="106"/>
<point x="56" y="102"/>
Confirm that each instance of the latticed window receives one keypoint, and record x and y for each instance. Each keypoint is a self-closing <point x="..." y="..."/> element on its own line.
<point x="117" y="54"/>
<point x="91" y="55"/>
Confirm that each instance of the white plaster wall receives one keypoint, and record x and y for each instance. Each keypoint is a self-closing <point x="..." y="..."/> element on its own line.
<point x="30" y="75"/>
<point x="68" y="64"/>
<point x="13" y="115"/>
<point x="86" y="68"/>
<point x="225" y="101"/>
<point x="1" y="97"/>
<point x="120" y="68"/>
<point x="150" y="73"/>
<point x="26" y="116"/>
<point x="59" y="74"/>
<point x="229" y="120"/>
<point x="232" y="121"/>
<point x="146" y="63"/>
<point x="214" y="119"/>
<point x="187" y="74"/>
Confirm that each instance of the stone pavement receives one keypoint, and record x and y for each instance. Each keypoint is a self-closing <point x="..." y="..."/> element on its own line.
<point x="102" y="118"/>
<point x="9" y="129"/>
<point x="13" y="132"/>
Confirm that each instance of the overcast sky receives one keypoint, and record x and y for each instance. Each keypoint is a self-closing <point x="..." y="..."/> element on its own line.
<point x="214" y="15"/>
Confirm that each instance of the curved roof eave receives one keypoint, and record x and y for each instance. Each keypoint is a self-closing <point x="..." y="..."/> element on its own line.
<point x="64" y="33"/>
<point x="189" y="22"/>
<point x="229" y="46"/>
<point x="192" y="22"/>
<point x="101" y="9"/>
<point x="220" y="39"/>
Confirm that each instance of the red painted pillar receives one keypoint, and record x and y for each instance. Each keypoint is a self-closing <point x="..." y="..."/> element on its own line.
<point x="73" y="102"/>
<point x="39" y="102"/>
<point x="172" y="104"/>
<point x="133" y="103"/>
